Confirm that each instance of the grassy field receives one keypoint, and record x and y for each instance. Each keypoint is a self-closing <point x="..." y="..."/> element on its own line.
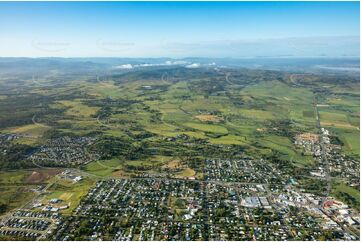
<point x="218" y="119"/>
<point x="13" y="176"/>
<point x="254" y="114"/>
<point x="335" y="119"/>
<point x="97" y="169"/>
<point x="229" y="140"/>
<point x="340" y="187"/>
<point x="350" y="138"/>
<point x="106" y="168"/>
<point x="236" y="126"/>
<point x="69" y="192"/>
<point x="15" y="190"/>
<point x="207" y="127"/>
<point x="77" y="108"/>
<point x="32" y="131"/>
<point x="15" y="196"/>
<point x="186" y="173"/>
<point x="156" y="160"/>
<point x="105" y="89"/>
<point x="343" y="120"/>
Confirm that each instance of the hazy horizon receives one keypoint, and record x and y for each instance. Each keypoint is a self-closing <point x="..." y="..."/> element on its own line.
<point x="179" y="29"/>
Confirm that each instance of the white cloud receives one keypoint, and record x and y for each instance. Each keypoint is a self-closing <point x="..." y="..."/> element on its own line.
<point x="125" y="66"/>
<point x="194" y="65"/>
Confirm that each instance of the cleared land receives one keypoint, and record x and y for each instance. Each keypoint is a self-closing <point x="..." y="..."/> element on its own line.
<point x="146" y="123"/>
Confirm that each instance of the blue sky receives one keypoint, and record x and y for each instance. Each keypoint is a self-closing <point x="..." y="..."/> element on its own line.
<point x="179" y="29"/>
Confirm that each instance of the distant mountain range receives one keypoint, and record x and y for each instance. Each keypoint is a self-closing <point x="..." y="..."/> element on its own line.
<point x="17" y="65"/>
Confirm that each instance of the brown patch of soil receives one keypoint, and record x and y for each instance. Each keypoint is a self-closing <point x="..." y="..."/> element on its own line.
<point x="208" y="117"/>
<point x="308" y="137"/>
<point x="38" y="176"/>
<point x="172" y="164"/>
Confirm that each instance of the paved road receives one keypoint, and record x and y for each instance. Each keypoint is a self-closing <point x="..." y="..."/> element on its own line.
<point x="328" y="176"/>
<point x="324" y="158"/>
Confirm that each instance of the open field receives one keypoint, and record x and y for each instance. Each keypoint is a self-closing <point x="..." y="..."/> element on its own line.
<point x="14" y="196"/>
<point x="142" y="122"/>
<point x="339" y="188"/>
<point x="99" y="169"/>
<point x="337" y="119"/>
<point x="207" y="128"/>
<point x="14" y="176"/>
<point x="350" y="139"/>
<point x="16" y="186"/>
<point x="208" y="118"/>
<point x="186" y="173"/>
<point x="68" y="192"/>
<point x="228" y="116"/>
<point x="77" y="108"/>
<point x="30" y="130"/>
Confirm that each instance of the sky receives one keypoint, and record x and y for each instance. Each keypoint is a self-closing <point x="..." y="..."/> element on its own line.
<point x="179" y="29"/>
